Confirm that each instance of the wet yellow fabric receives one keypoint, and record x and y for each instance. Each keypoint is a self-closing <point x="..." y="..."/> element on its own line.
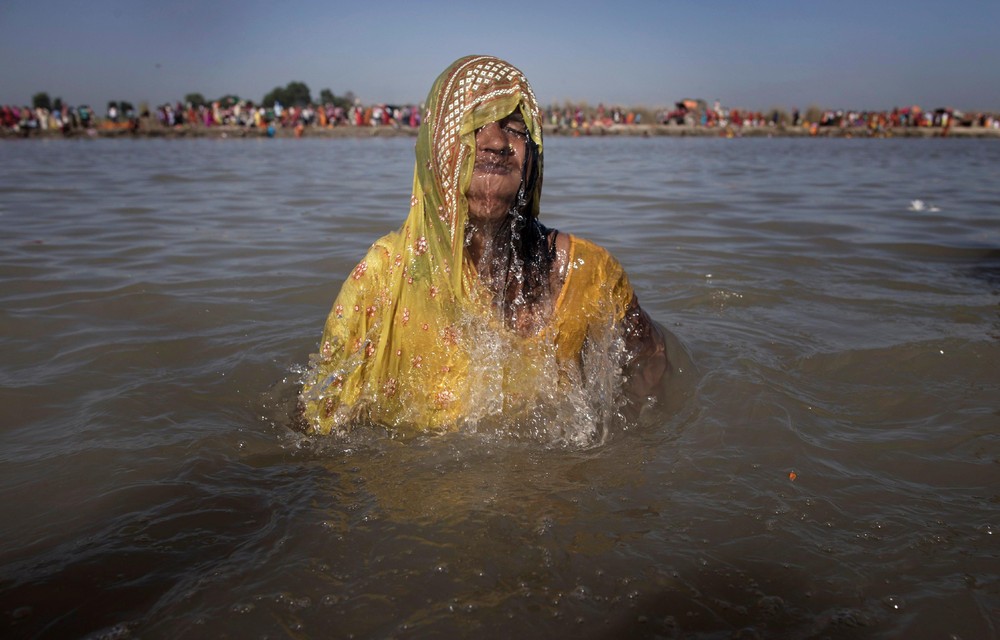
<point x="413" y="340"/>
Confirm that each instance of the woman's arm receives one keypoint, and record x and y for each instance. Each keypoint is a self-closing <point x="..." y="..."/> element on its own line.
<point x="646" y="345"/>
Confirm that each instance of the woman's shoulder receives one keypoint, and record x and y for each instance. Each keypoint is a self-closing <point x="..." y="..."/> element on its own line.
<point x="581" y="251"/>
<point x="376" y="261"/>
<point x="386" y="243"/>
<point x="595" y="285"/>
<point x="381" y="250"/>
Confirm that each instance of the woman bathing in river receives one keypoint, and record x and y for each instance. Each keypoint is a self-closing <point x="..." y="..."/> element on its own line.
<point x="474" y="309"/>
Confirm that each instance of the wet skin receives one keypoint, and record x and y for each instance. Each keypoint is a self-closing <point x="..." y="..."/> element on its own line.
<point x="501" y="149"/>
<point x="501" y="154"/>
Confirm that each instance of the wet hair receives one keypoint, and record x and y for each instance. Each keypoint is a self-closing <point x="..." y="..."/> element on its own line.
<point x="521" y="273"/>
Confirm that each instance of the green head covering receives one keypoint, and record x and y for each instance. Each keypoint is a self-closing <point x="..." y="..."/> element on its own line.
<point x="471" y="93"/>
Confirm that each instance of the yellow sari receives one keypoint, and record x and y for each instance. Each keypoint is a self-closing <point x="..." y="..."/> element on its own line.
<point x="413" y="340"/>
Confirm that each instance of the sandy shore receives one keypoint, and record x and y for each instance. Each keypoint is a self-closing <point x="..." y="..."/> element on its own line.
<point x="156" y="131"/>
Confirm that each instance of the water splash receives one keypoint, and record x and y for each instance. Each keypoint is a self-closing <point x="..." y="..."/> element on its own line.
<point x="515" y="390"/>
<point x="525" y="393"/>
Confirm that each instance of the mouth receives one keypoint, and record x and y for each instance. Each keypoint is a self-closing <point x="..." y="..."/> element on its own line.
<point x="491" y="167"/>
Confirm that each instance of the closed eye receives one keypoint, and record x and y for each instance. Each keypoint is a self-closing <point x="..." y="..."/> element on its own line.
<point x="517" y="131"/>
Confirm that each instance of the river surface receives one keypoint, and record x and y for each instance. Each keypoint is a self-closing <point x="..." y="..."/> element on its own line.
<point x="833" y="470"/>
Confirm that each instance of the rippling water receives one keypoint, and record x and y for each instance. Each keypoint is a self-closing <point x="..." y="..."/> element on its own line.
<point x="832" y="473"/>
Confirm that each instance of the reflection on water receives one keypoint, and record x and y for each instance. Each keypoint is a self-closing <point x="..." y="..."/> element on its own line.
<point x="831" y="472"/>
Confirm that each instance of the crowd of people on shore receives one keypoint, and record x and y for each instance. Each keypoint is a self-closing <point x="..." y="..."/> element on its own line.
<point x="246" y="114"/>
<point x="68" y="120"/>
<point x="25" y="120"/>
<point x="697" y="113"/>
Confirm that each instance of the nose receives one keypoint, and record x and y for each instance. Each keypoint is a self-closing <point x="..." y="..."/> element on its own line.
<point x="491" y="137"/>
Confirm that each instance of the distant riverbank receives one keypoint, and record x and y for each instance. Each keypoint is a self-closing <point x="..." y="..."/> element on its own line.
<point x="642" y="130"/>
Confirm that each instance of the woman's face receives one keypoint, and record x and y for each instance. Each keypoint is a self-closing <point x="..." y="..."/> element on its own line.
<point x="501" y="148"/>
